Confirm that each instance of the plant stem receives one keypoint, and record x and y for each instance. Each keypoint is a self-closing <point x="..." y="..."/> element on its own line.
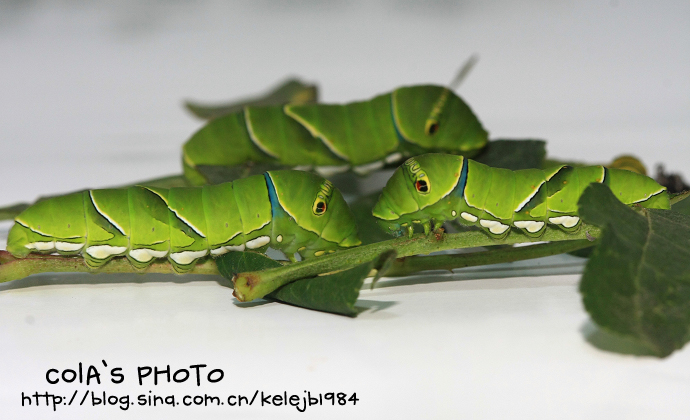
<point x="680" y="197"/>
<point x="255" y="285"/>
<point x="258" y="284"/>
<point x="405" y="266"/>
<point x="12" y="268"/>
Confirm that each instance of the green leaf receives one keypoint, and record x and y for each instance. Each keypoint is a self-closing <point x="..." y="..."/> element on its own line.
<point x="513" y="154"/>
<point x="383" y="264"/>
<point x="637" y="281"/>
<point x="290" y="91"/>
<point x="236" y="262"/>
<point x="681" y="203"/>
<point x="336" y="293"/>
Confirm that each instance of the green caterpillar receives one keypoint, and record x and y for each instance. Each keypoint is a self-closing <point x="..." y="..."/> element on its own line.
<point x="293" y="211"/>
<point x="433" y="188"/>
<point x="362" y="136"/>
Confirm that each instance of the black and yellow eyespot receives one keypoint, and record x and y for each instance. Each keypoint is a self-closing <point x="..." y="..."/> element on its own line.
<point x="436" y="115"/>
<point x="431" y="127"/>
<point x="320" y="206"/>
<point x="421" y="183"/>
<point x="422" y="186"/>
<point x="419" y="178"/>
<point x="322" y="198"/>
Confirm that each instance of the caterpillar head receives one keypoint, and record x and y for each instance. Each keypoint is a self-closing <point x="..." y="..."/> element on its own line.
<point x="316" y="206"/>
<point x="435" y="118"/>
<point x="341" y="227"/>
<point x="414" y="187"/>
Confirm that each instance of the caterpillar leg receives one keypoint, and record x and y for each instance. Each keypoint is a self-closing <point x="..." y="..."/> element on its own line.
<point x="427" y="227"/>
<point x="95" y="256"/>
<point x="495" y="229"/>
<point x="433" y="226"/>
<point x="531" y="228"/>
<point x="568" y="223"/>
<point x="184" y="261"/>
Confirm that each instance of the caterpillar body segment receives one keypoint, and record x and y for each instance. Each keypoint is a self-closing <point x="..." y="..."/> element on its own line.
<point x="361" y="136"/>
<point x="433" y="188"/>
<point x="292" y="211"/>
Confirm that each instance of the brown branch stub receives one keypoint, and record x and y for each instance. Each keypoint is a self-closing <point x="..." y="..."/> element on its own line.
<point x="251" y="281"/>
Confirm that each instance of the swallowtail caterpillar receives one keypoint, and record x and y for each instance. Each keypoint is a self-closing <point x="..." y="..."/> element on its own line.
<point x="292" y="211"/>
<point x="362" y="136"/>
<point x="433" y="188"/>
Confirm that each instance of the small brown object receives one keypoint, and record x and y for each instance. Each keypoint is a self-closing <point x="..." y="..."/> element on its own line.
<point x="438" y="233"/>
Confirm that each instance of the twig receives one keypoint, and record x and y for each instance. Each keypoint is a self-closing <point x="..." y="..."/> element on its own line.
<point x="12" y="268"/>
<point x="254" y="285"/>
<point x="405" y="266"/>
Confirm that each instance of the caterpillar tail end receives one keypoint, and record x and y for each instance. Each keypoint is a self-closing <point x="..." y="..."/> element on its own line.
<point x="17" y="241"/>
<point x="660" y="200"/>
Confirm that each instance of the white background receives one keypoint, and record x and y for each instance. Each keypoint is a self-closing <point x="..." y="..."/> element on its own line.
<point x="90" y="96"/>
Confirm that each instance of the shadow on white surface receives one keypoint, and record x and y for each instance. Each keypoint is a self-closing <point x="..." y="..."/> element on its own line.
<point x="252" y="304"/>
<point x="373" y="306"/>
